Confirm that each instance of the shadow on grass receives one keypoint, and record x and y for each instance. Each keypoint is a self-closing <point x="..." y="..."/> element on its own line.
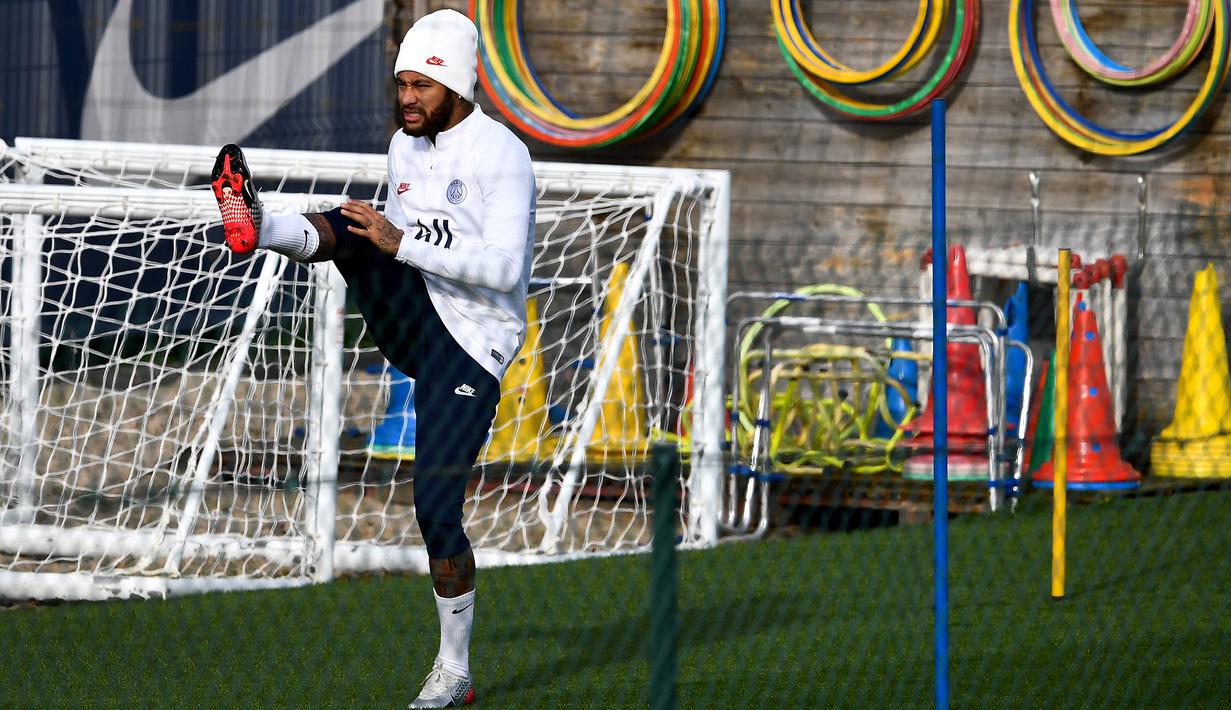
<point x="616" y="640"/>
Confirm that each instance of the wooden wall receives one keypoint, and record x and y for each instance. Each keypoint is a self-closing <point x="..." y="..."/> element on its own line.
<point x="820" y="198"/>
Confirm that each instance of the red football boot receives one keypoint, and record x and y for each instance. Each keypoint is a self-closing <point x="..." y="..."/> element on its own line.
<point x="237" y="198"/>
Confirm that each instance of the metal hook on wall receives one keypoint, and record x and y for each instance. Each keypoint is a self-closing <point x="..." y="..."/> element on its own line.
<point x="1037" y="235"/>
<point x="1143" y="195"/>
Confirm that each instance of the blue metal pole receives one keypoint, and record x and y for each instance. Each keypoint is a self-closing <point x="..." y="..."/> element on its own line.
<point x="940" y="390"/>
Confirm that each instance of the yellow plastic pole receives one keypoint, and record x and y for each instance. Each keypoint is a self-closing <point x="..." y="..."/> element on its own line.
<point x="1060" y="454"/>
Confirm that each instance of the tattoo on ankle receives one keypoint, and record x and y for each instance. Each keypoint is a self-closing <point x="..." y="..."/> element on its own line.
<point x="453" y="576"/>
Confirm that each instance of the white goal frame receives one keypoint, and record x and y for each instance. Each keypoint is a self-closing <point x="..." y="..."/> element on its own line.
<point x="108" y="192"/>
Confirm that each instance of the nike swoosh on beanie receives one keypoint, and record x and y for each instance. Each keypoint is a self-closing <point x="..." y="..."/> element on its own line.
<point x="444" y="46"/>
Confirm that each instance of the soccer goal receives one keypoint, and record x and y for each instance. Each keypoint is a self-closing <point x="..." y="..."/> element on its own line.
<point x="176" y="419"/>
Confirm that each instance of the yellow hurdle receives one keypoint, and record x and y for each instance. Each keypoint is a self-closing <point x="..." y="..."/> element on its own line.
<point x="1197" y="443"/>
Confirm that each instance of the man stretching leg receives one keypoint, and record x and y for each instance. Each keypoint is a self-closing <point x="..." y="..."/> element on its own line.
<point x="440" y="278"/>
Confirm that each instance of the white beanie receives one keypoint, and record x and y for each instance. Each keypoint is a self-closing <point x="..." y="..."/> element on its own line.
<point x="443" y="46"/>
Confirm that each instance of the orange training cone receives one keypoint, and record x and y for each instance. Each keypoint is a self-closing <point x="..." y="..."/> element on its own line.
<point x="967" y="398"/>
<point x="1092" y="455"/>
<point x="1197" y="444"/>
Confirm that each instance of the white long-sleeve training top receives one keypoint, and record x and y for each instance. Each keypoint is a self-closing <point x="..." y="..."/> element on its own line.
<point x="466" y="205"/>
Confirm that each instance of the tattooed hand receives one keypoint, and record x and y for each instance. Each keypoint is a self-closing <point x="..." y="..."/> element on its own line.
<point x="373" y="226"/>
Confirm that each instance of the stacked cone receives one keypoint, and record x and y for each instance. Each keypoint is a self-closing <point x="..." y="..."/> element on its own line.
<point x="1016" y="314"/>
<point x="1197" y="444"/>
<point x="1041" y="429"/>
<point x="394" y="438"/>
<point x="620" y="432"/>
<point x="521" y="430"/>
<point x="683" y="422"/>
<point x="1092" y="454"/>
<point x="967" y="398"/>
<point x="904" y="370"/>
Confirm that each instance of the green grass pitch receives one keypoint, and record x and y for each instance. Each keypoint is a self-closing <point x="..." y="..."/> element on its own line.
<point x="820" y="620"/>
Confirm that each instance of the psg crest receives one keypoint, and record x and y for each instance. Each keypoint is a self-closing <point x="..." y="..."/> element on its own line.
<point x="456" y="192"/>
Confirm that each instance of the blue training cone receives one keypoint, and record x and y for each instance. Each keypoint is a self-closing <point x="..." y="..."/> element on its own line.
<point x="906" y="371"/>
<point x="394" y="438"/>
<point x="1016" y="311"/>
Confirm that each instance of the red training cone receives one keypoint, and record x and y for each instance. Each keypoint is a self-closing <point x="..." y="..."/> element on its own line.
<point x="1092" y="455"/>
<point x="967" y="398"/>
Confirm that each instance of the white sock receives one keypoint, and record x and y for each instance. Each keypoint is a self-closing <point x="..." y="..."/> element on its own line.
<point x="292" y="235"/>
<point x="456" y="617"/>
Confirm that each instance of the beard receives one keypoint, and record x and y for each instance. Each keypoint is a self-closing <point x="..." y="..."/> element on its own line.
<point x="433" y="121"/>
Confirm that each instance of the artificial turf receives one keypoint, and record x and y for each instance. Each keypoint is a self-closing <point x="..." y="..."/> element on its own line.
<point x="833" y="619"/>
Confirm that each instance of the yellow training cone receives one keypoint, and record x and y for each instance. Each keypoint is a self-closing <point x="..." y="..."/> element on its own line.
<point x="620" y="431"/>
<point x="1197" y="444"/>
<point x="521" y="430"/>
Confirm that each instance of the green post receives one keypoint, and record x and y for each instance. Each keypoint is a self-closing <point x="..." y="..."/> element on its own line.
<point x="664" y="624"/>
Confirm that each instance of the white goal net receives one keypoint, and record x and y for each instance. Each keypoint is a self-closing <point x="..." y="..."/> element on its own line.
<point x="174" y="418"/>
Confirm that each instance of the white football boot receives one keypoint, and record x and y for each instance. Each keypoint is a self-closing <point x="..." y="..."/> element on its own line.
<point x="444" y="689"/>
